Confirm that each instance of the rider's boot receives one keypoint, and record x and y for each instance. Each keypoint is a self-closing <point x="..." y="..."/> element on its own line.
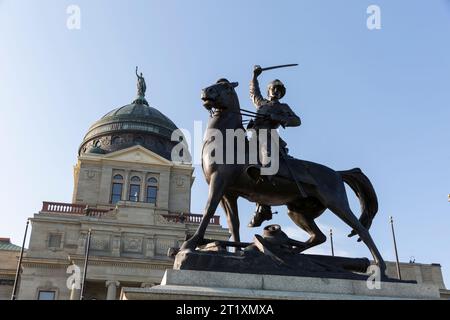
<point x="262" y="214"/>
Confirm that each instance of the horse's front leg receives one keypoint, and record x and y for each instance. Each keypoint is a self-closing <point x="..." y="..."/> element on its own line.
<point x="217" y="187"/>
<point x="229" y="204"/>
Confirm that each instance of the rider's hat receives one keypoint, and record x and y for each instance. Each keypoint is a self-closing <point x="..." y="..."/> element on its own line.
<point x="277" y="83"/>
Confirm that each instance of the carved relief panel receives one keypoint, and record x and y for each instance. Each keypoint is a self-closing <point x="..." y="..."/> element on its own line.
<point x="132" y="244"/>
<point x="100" y="242"/>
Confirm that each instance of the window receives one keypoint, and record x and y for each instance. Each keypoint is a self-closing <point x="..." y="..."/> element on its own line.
<point x="135" y="189"/>
<point x="152" y="193"/>
<point x="139" y="140"/>
<point x="152" y="190"/>
<point x="54" y="240"/>
<point x="116" y="194"/>
<point x="115" y="140"/>
<point x="116" y="190"/>
<point x="46" y="295"/>
<point x="134" y="192"/>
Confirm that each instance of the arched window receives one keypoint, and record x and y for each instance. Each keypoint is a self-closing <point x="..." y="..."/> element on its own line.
<point x="152" y="190"/>
<point x="115" y="140"/>
<point x="139" y="140"/>
<point x="135" y="189"/>
<point x="152" y="180"/>
<point x="117" y="187"/>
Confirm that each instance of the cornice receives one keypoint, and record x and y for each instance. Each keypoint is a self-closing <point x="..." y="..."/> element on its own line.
<point x="124" y="262"/>
<point x="153" y="264"/>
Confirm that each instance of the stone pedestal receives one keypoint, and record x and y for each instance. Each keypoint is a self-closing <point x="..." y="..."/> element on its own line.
<point x="200" y="285"/>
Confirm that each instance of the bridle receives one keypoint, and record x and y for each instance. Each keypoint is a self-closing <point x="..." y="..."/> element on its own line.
<point x="242" y="112"/>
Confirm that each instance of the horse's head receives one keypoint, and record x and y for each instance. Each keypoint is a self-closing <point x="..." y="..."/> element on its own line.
<point x="220" y="95"/>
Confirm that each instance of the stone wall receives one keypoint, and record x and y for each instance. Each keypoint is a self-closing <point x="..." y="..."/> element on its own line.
<point x="8" y="265"/>
<point x="93" y="177"/>
<point x="422" y="273"/>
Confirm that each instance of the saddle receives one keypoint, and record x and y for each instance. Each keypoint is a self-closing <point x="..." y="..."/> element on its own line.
<point x="298" y="167"/>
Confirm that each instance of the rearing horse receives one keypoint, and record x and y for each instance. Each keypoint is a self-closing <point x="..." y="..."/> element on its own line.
<point x="228" y="182"/>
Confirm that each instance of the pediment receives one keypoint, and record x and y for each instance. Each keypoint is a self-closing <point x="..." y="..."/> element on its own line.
<point x="137" y="154"/>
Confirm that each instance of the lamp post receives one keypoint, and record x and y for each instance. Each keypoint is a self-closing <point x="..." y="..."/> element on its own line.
<point x="19" y="264"/>
<point x="395" y="248"/>
<point x="86" y="260"/>
<point x="331" y="239"/>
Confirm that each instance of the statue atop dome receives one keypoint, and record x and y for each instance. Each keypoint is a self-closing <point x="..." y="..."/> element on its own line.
<point x="141" y="86"/>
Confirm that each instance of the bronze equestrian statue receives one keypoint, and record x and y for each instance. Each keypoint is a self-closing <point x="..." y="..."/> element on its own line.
<point x="228" y="182"/>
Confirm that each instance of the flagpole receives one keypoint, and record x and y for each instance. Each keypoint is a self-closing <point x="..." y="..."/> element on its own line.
<point x="86" y="260"/>
<point x="395" y="248"/>
<point x="19" y="264"/>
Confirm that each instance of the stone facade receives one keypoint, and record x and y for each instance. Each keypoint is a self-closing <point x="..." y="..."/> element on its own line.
<point x="427" y="274"/>
<point x="422" y="273"/>
<point x="130" y="239"/>
<point x="9" y="254"/>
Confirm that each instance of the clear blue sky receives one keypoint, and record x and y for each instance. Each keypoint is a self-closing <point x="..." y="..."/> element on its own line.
<point x="378" y="100"/>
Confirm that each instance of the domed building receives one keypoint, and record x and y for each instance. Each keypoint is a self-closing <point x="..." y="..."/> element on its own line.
<point x="133" y="196"/>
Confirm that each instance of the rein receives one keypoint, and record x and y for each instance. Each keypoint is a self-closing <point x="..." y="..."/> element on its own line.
<point x="245" y="113"/>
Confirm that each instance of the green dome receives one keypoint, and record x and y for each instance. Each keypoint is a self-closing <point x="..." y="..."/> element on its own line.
<point x="140" y="112"/>
<point x="133" y="124"/>
<point x="139" y="117"/>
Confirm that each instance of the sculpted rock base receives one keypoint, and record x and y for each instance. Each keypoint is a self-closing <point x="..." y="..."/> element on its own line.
<point x="273" y="253"/>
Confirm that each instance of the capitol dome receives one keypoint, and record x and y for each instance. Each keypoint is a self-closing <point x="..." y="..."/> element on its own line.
<point x="133" y="124"/>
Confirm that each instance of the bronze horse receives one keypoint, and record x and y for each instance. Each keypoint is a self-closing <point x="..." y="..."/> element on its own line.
<point x="228" y="182"/>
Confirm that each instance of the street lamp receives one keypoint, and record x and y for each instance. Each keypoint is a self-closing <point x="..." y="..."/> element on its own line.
<point x="395" y="248"/>
<point x="331" y="239"/>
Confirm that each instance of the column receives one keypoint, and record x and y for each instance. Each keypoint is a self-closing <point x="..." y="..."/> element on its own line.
<point x="126" y="184"/>
<point x="111" y="286"/>
<point x="150" y="248"/>
<point x="143" y="195"/>
<point x="116" y="244"/>
<point x="82" y="243"/>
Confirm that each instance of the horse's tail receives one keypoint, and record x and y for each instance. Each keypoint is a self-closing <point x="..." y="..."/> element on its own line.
<point x="363" y="188"/>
